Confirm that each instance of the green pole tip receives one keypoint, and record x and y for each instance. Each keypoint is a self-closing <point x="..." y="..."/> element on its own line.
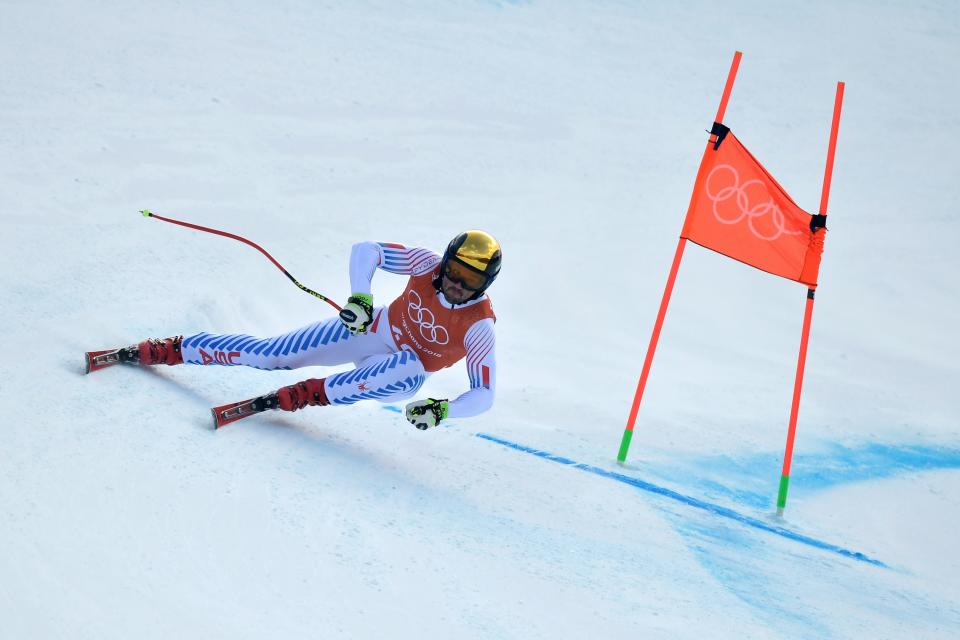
<point x="782" y="493"/>
<point x="146" y="213"/>
<point x="624" y="445"/>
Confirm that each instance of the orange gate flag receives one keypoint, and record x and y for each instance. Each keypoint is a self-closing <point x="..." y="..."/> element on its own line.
<point x="740" y="211"/>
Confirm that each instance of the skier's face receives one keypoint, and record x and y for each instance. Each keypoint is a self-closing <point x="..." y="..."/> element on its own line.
<point x="454" y="292"/>
<point x="460" y="282"/>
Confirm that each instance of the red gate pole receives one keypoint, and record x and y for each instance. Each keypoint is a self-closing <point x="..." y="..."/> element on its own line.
<point x="808" y="313"/>
<point x="671" y="279"/>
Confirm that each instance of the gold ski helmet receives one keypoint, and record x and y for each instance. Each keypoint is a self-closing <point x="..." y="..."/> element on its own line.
<point x="472" y="260"/>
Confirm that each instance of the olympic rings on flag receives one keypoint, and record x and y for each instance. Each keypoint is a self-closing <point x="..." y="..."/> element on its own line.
<point x="735" y="189"/>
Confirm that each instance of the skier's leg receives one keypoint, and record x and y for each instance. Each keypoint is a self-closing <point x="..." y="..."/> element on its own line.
<point x="322" y="343"/>
<point x="386" y="378"/>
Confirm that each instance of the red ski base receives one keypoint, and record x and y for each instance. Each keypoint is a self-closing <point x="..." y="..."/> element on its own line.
<point x="239" y="410"/>
<point x="97" y="360"/>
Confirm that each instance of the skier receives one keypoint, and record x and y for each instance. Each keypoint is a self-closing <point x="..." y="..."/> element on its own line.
<point x="442" y="316"/>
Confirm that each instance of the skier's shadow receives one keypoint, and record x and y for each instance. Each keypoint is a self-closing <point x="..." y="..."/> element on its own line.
<point x="273" y="424"/>
<point x="191" y="392"/>
<point x="151" y="371"/>
<point x="269" y="423"/>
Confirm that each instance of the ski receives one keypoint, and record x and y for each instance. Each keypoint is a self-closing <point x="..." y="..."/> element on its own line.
<point x="97" y="360"/>
<point x="238" y="410"/>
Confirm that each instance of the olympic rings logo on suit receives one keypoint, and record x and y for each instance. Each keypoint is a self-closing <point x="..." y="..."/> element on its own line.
<point x="779" y="221"/>
<point x="424" y="318"/>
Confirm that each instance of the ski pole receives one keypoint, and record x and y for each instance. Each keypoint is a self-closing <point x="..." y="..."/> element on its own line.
<point x="149" y="214"/>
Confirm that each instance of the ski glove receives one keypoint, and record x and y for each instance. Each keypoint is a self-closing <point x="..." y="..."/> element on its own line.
<point x="424" y="414"/>
<point x="357" y="313"/>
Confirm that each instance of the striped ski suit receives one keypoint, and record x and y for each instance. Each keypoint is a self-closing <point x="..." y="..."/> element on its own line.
<point x="383" y="370"/>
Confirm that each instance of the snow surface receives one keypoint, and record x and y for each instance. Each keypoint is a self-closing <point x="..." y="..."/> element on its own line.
<point x="572" y="131"/>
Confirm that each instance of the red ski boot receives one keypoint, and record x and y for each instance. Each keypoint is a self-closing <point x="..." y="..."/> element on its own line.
<point x="165" y="351"/>
<point x="297" y="396"/>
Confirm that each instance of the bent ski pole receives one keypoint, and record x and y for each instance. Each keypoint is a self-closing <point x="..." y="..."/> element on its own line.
<point x="149" y="214"/>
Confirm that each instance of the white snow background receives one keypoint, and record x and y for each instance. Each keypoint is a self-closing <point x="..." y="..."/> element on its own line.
<point x="571" y="131"/>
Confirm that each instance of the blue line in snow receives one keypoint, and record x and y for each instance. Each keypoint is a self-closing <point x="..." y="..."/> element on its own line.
<point x="687" y="500"/>
<point x="830" y="465"/>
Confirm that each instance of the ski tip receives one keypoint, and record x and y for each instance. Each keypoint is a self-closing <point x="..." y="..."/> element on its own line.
<point x="146" y="213"/>
<point x="228" y="413"/>
<point x="238" y="411"/>
<point x="86" y="357"/>
<point x="97" y="360"/>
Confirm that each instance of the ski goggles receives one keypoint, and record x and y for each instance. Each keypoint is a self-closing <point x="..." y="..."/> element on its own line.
<point x="465" y="276"/>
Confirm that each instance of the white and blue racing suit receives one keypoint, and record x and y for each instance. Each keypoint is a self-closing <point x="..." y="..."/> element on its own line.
<point x="383" y="371"/>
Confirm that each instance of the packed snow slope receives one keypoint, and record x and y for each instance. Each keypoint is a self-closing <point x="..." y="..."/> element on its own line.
<point x="572" y="132"/>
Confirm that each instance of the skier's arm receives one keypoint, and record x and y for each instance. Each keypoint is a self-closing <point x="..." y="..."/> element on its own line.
<point x="364" y="259"/>
<point x="482" y="370"/>
<point x="367" y="257"/>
